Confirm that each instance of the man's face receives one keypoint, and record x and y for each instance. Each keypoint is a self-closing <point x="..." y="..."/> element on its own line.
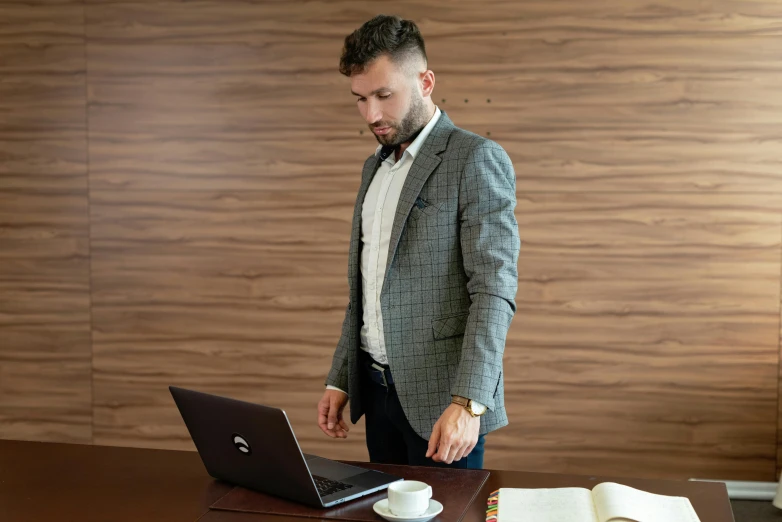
<point x="389" y="101"/>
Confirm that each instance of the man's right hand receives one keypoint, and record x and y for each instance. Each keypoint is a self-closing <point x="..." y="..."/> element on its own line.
<point x="330" y="414"/>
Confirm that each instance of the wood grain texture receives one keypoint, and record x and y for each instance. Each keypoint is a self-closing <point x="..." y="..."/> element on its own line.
<point x="645" y="334"/>
<point x="675" y="114"/>
<point x="45" y="371"/>
<point x="624" y="114"/>
<point x="238" y="293"/>
<point x="41" y="22"/>
<point x="252" y="123"/>
<point x="252" y="22"/>
<point x="43" y="143"/>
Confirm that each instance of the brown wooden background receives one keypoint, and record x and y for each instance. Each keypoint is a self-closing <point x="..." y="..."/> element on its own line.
<point x="177" y="180"/>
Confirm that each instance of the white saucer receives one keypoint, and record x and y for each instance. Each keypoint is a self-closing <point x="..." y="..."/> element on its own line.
<point x="381" y="508"/>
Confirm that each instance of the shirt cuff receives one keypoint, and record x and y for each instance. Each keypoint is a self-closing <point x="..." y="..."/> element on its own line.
<point x="330" y="387"/>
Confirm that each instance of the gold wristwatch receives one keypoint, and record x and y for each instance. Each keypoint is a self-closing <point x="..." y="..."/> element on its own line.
<point x="475" y="409"/>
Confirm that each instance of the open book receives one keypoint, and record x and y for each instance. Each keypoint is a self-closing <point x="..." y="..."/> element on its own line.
<point x="607" y="502"/>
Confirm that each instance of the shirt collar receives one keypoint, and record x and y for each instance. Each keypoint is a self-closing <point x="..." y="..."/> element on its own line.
<point x="418" y="142"/>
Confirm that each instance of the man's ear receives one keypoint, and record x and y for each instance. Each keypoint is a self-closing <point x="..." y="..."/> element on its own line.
<point x="427" y="83"/>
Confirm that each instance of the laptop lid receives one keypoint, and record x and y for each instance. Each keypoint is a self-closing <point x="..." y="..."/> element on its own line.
<point x="247" y="444"/>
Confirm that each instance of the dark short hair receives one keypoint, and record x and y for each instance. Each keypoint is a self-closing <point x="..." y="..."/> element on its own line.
<point x="389" y="35"/>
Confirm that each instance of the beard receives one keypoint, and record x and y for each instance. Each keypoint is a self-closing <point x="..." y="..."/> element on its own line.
<point x="401" y="132"/>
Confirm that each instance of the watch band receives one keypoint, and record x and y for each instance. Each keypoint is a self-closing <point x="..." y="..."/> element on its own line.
<point x="461" y="401"/>
<point x="467" y="404"/>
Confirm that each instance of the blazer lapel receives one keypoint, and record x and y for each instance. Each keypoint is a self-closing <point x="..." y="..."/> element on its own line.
<point x="425" y="162"/>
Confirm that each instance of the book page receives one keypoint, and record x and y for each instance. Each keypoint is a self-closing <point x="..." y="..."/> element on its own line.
<point x="615" y="502"/>
<point x="546" y="505"/>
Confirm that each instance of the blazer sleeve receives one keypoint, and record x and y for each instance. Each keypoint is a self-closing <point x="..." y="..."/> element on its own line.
<point x="338" y="375"/>
<point x="489" y="237"/>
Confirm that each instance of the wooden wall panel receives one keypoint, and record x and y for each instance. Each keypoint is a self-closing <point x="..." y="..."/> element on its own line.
<point x="623" y="114"/>
<point x="37" y="22"/>
<point x="252" y="122"/>
<point x="714" y="127"/>
<point x="241" y="293"/>
<point x="646" y="342"/>
<point x="555" y="22"/>
<point x="645" y="336"/>
<point x="43" y="132"/>
<point x="45" y="373"/>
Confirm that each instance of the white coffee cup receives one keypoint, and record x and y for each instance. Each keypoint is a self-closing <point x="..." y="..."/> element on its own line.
<point x="409" y="498"/>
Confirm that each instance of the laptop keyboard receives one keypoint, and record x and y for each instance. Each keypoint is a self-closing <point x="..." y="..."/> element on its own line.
<point x="328" y="487"/>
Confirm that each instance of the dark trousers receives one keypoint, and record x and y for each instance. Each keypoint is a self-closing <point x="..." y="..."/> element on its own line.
<point x="391" y="439"/>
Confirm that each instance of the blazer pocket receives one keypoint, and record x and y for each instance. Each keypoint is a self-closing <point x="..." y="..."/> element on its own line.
<point x="424" y="207"/>
<point x="449" y="326"/>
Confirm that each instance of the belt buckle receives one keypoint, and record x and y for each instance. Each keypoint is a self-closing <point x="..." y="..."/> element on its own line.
<point x="382" y="373"/>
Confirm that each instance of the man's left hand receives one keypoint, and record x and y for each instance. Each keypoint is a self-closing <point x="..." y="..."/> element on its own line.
<point x="454" y="435"/>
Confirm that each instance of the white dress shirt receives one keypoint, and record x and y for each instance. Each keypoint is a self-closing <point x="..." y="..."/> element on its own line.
<point x="377" y="220"/>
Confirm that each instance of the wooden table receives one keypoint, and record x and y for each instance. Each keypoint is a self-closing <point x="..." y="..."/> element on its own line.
<point x="42" y="481"/>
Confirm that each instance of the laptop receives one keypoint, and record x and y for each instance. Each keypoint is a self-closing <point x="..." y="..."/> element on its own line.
<point x="253" y="446"/>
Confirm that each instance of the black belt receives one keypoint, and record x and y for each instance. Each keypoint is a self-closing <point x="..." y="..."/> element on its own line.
<point x="379" y="373"/>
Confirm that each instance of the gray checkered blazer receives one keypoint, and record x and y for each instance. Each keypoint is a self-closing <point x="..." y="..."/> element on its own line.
<point x="448" y="295"/>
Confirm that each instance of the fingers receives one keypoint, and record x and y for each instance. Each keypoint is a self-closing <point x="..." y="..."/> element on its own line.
<point x="443" y="450"/>
<point x="333" y="411"/>
<point x="469" y="449"/>
<point x="433" y="440"/>
<point x="454" y="451"/>
<point x="463" y="452"/>
<point x="459" y="453"/>
<point x="451" y="449"/>
<point x="330" y="418"/>
<point x="341" y="427"/>
<point x="343" y="424"/>
<point x="323" y="412"/>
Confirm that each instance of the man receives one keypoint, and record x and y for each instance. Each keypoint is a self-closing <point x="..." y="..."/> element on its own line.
<point x="432" y="267"/>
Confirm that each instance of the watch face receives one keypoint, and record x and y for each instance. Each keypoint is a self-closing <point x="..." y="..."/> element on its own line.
<point x="476" y="410"/>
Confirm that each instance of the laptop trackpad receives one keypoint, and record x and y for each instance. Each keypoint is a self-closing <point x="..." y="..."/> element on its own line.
<point x="332" y="469"/>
